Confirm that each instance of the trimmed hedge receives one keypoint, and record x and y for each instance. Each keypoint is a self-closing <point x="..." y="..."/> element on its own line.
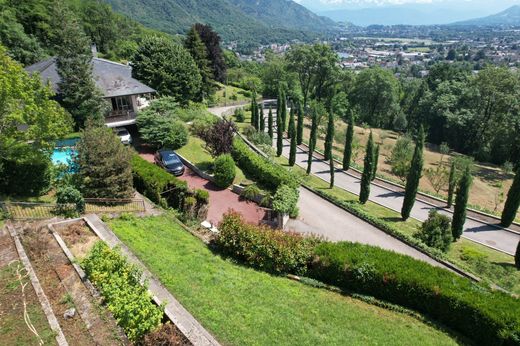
<point x="268" y="174"/>
<point x="491" y="318"/>
<point x="224" y="170"/>
<point x="271" y="250"/>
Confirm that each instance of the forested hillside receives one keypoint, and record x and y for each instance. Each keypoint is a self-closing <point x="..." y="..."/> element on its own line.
<point x="28" y="28"/>
<point x="246" y="21"/>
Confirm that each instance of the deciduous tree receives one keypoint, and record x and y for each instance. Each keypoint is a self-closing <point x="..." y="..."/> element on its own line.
<point x="212" y="41"/>
<point x="219" y="137"/>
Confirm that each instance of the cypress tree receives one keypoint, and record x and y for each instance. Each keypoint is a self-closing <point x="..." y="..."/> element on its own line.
<point x="512" y="202"/>
<point x="376" y="161"/>
<point x="279" y="136"/>
<point x="299" y="126"/>
<point x="347" y="151"/>
<point x="261" y="118"/>
<point x="332" y="168"/>
<point x="367" y="170"/>
<point x="284" y="111"/>
<point x="270" y="123"/>
<point x="291" y="130"/>
<point x="461" y="201"/>
<point x="254" y="105"/>
<point x="80" y="96"/>
<point x="517" y="256"/>
<point x="329" y="137"/>
<point x="312" y="140"/>
<point x="292" y="135"/>
<point x="452" y="183"/>
<point x="414" y="175"/>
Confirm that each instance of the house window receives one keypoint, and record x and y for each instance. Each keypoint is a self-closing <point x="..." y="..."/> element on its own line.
<point x="122" y="103"/>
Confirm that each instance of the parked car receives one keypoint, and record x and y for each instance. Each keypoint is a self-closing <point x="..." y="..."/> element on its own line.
<point x="124" y="135"/>
<point x="170" y="161"/>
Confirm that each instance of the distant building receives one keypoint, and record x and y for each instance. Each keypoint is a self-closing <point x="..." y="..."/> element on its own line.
<point x="126" y="94"/>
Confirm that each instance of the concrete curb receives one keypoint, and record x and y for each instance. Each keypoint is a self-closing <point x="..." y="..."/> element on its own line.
<point x="46" y="306"/>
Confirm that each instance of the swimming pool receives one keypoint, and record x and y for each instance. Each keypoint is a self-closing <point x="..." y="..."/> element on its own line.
<point x="63" y="156"/>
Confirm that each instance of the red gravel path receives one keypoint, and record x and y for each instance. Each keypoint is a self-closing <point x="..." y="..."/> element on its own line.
<point x="220" y="200"/>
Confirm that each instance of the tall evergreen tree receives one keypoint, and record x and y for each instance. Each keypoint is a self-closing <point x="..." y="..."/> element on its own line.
<point x="292" y="135"/>
<point x="517" y="256"/>
<point x="254" y="106"/>
<point x="261" y="118"/>
<point x="291" y="130"/>
<point x="349" y="138"/>
<point x="461" y="201"/>
<point x="279" y="136"/>
<point x="368" y="169"/>
<point x="215" y="54"/>
<point x="329" y="137"/>
<point x="199" y="52"/>
<point x="270" y="123"/>
<point x="283" y="109"/>
<point x="414" y="175"/>
<point x="312" y="140"/>
<point x="512" y="202"/>
<point x="74" y="65"/>
<point x="299" y="126"/>
<point x="376" y="161"/>
<point x="332" y="171"/>
<point x="451" y="184"/>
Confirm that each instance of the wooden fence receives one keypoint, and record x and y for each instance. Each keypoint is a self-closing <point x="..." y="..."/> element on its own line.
<point x="38" y="211"/>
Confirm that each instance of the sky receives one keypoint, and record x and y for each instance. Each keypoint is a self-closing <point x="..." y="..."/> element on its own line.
<point x="490" y="6"/>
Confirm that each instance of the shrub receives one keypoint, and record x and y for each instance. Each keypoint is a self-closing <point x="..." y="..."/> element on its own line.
<point x="260" y="138"/>
<point x="224" y="170"/>
<point x="202" y="196"/>
<point x="240" y="115"/>
<point x="70" y="195"/>
<point x="29" y="176"/>
<point x="159" y="125"/>
<point x="275" y="251"/>
<point x="119" y="282"/>
<point x="264" y="172"/>
<point x="285" y="200"/>
<point x="250" y="192"/>
<point x="436" y="231"/>
<point x="492" y="318"/>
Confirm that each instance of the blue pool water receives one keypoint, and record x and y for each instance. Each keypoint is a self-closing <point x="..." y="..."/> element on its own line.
<point x="63" y="156"/>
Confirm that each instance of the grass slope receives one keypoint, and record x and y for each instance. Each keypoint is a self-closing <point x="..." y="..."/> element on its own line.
<point x="241" y="306"/>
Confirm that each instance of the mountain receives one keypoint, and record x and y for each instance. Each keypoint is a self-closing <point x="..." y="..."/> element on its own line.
<point x="425" y="14"/>
<point x="258" y="21"/>
<point x="510" y="16"/>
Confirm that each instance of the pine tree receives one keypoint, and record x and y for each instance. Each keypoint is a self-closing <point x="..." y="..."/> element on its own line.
<point x="299" y="126"/>
<point x="376" y="161"/>
<point x="329" y="137"/>
<point x="270" y="123"/>
<point x="79" y="93"/>
<point x="292" y="135"/>
<point x="517" y="256"/>
<point x="332" y="169"/>
<point x="347" y="151"/>
<point x="261" y="118"/>
<point x="512" y="202"/>
<point x="291" y="131"/>
<point x="414" y="175"/>
<point x="367" y="171"/>
<point x="312" y="140"/>
<point x="452" y="183"/>
<point x="279" y="136"/>
<point x="461" y="201"/>
<point x="199" y="52"/>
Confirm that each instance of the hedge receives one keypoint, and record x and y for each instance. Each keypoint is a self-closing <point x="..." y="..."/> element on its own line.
<point x="491" y="318"/>
<point x="165" y="189"/>
<point x="271" y="250"/>
<point x="224" y="170"/>
<point x="119" y="282"/>
<point x="266" y="173"/>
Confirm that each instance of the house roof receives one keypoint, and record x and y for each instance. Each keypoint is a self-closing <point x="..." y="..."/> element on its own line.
<point x="112" y="78"/>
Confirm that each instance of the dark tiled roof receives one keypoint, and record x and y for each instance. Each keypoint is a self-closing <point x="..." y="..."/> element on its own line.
<point x="112" y="78"/>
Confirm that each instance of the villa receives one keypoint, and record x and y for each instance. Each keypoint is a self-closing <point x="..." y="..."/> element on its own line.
<point x="126" y="94"/>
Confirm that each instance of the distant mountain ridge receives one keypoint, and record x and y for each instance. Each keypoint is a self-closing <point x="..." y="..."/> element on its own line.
<point x="233" y="19"/>
<point x="510" y="16"/>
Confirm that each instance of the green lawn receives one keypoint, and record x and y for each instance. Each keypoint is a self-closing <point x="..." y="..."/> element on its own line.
<point x="241" y="306"/>
<point x="195" y="152"/>
<point x="486" y="263"/>
<point x="231" y="95"/>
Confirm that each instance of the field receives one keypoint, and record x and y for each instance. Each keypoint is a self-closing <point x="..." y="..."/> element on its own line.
<point x="485" y="191"/>
<point x="241" y="306"/>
